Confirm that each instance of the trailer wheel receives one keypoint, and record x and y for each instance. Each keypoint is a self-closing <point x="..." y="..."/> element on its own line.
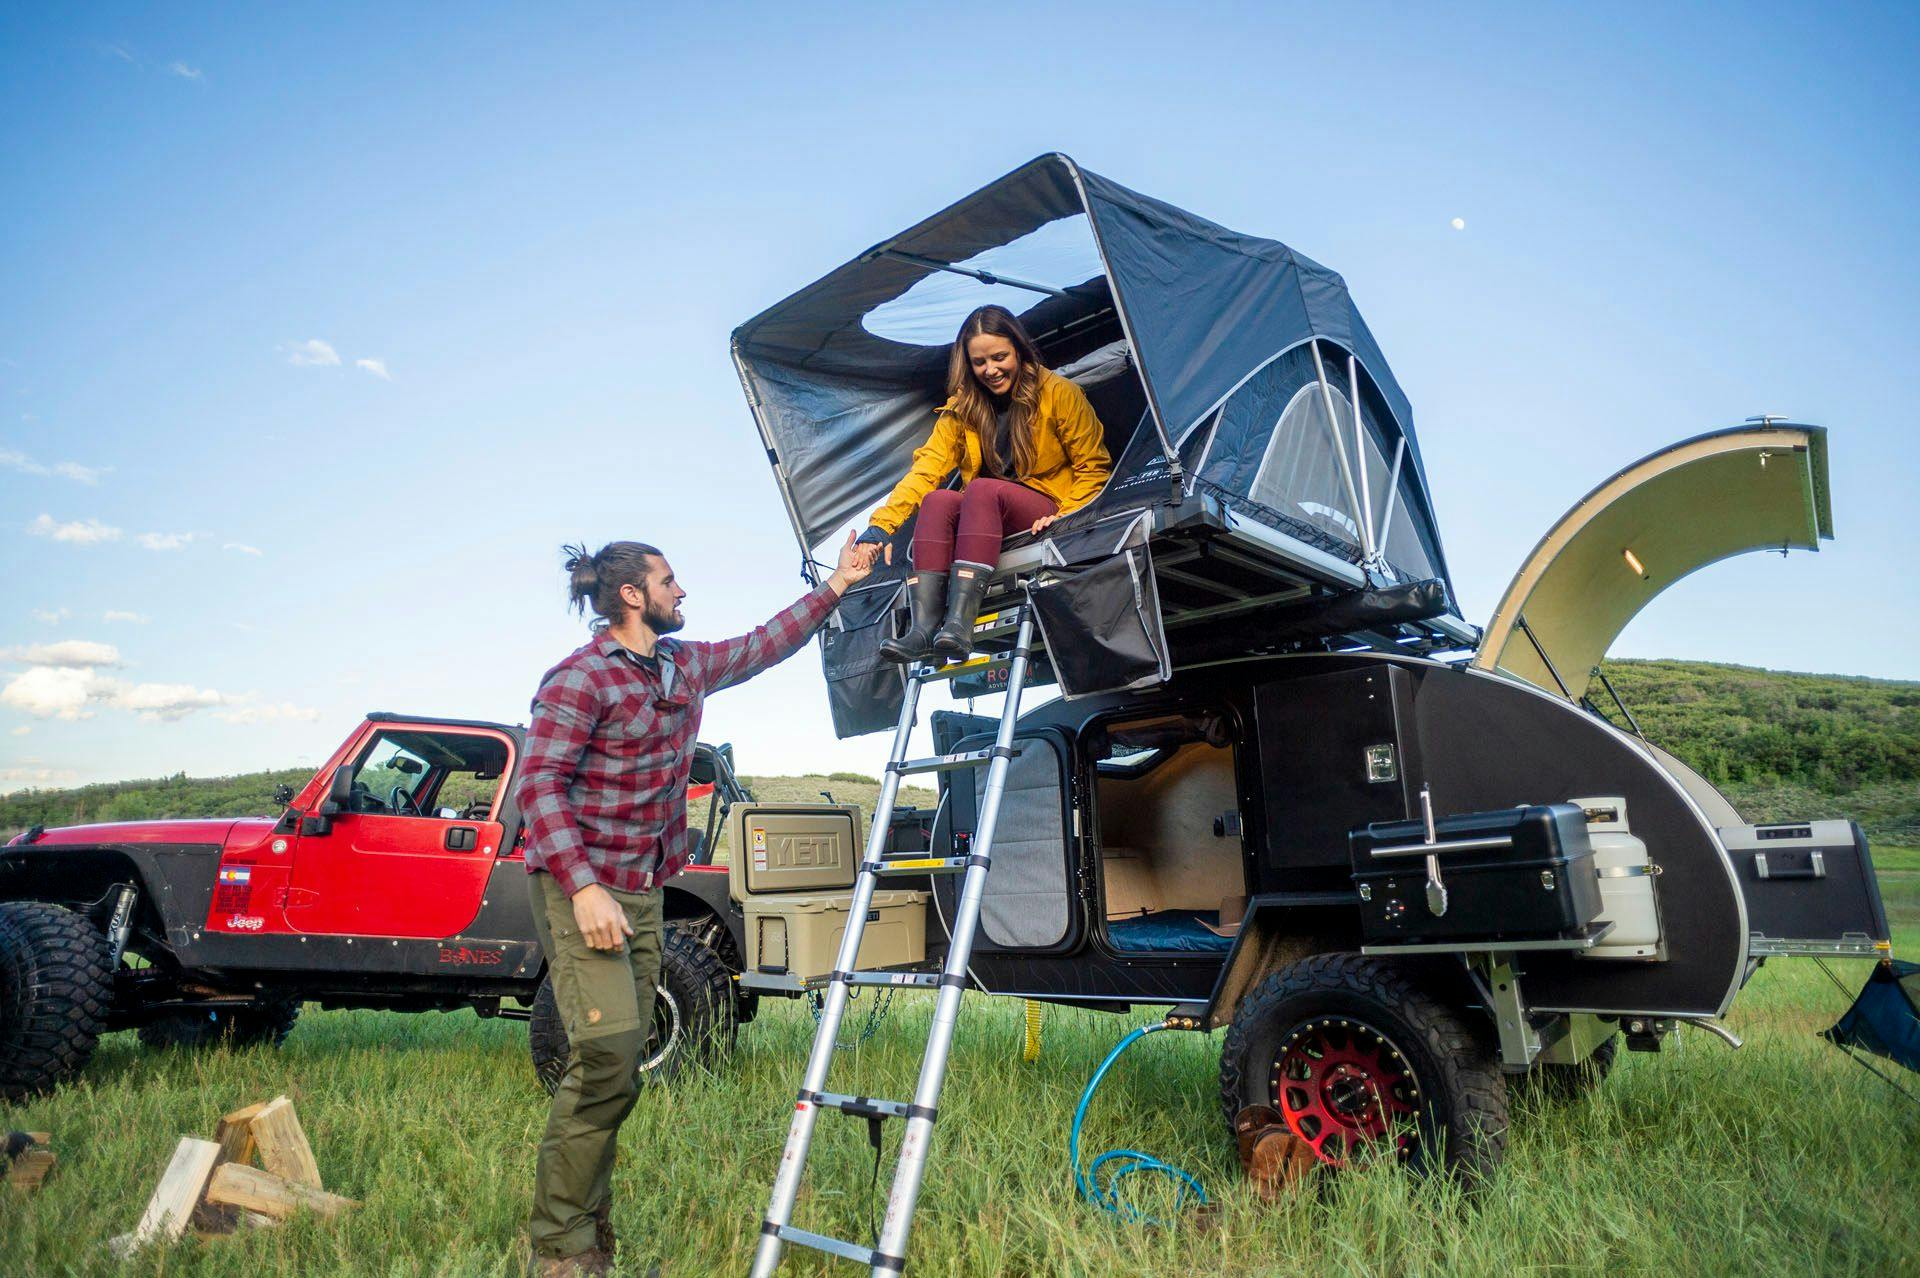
<point x="1360" y="1059"/>
<point x="1558" y="1083"/>
<point x="55" y="989"/>
<point x="263" y="1024"/>
<point x="693" y="1014"/>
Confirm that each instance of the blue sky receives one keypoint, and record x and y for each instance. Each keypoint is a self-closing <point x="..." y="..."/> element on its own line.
<point x="323" y="328"/>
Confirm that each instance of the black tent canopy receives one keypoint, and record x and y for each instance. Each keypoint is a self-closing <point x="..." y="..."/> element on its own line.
<point x="1267" y="489"/>
<point x="1222" y="365"/>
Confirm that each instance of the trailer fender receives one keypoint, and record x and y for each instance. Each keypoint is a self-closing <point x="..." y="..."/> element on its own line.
<point x="1280" y="928"/>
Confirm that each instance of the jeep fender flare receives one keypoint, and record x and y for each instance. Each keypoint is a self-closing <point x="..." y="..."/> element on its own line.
<point x="172" y="903"/>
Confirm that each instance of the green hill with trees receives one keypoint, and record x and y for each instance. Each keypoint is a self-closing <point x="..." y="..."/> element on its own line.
<point x="1783" y="746"/>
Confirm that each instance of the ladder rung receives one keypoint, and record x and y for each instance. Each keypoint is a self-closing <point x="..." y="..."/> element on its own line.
<point x="1002" y="622"/>
<point x="924" y="864"/>
<point x="971" y="666"/>
<point x="925" y="980"/>
<point x="949" y="762"/>
<point x="820" y="1242"/>
<point x="859" y="1106"/>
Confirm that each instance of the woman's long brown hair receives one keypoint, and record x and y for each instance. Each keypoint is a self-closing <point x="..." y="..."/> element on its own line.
<point x="974" y="406"/>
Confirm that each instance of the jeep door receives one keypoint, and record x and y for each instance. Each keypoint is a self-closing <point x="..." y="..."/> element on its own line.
<point x="412" y="855"/>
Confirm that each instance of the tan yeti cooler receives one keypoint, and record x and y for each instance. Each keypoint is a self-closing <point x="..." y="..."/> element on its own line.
<point x="800" y="934"/>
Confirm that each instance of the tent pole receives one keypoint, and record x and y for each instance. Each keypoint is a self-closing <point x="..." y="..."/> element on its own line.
<point x="1340" y="448"/>
<point x="779" y="467"/>
<point x="1360" y="448"/>
<point x="1392" y="494"/>
<point x="985" y="277"/>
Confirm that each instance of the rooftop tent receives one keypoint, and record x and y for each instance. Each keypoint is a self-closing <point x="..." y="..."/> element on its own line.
<point x="1223" y="366"/>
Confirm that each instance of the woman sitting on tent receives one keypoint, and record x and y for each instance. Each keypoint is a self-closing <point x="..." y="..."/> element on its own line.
<point x="1029" y="449"/>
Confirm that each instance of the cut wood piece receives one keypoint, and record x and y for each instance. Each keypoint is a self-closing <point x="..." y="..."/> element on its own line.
<point x="237" y="1185"/>
<point x="30" y="1169"/>
<point x="283" y="1145"/>
<point x="40" y="1138"/>
<point x="178" y="1193"/>
<point x="235" y="1134"/>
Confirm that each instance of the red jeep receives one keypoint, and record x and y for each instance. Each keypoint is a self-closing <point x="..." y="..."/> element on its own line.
<point x="395" y="878"/>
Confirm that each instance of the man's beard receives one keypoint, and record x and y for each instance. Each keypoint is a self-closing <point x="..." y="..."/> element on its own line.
<point x="662" y="622"/>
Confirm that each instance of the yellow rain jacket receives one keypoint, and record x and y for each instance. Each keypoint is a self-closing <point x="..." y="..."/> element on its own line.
<point x="1070" y="461"/>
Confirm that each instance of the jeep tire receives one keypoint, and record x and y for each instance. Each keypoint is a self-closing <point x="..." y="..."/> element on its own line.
<point x="265" y="1023"/>
<point x="693" y="1014"/>
<point x="55" y="989"/>
<point x="1357" y="1055"/>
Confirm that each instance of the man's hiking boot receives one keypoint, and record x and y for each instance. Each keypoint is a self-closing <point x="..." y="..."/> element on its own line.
<point x="928" y="593"/>
<point x="954" y="639"/>
<point x="592" y="1263"/>
<point x="603" y="1239"/>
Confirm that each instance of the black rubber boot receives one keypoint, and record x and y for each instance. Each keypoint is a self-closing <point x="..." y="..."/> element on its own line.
<point x="954" y="639"/>
<point x="928" y="593"/>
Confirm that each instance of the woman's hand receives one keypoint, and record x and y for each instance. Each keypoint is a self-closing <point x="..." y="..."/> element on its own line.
<point x="856" y="563"/>
<point x="1040" y="525"/>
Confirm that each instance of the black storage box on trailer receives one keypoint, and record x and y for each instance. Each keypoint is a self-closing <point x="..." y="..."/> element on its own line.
<point x="1809" y="888"/>
<point x="1515" y="874"/>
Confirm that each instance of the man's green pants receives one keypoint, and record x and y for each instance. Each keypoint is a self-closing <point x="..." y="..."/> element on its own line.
<point x="606" y="1004"/>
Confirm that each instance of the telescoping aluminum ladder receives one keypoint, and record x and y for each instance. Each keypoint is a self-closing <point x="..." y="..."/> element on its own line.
<point x="889" y="1255"/>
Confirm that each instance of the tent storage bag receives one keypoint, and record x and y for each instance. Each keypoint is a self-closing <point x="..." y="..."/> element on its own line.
<point x="864" y="689"/>
<point x="1510" y="875"/>
<point x="799" y="934"/>
<point x="1102" y="625"/>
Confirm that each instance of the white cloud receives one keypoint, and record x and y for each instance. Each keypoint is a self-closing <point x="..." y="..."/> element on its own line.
<point x="81" y="653"/>
<point x="81" y="532"/>
<point x="51" y="616"/>
<point x="246" y="710"/>
<point x="115" y="614"/>
<point x="165" y="541"/>
<point x="50" y="692"/>
<point x="17" y="778"/>
<point x="312" y="353"/>
<point x="14" y="459"/>
<point x="378" y="367"/>
<point x="119" y="51"/>
<point x="241" y="547"/>
<point x="184" y="71"/>
<point x="165" y="701"/>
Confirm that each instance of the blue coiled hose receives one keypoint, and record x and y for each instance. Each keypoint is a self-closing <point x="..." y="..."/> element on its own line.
<point x="1121" y="1163"/>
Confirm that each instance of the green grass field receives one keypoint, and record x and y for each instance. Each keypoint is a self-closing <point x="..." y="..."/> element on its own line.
<point x="1784" y="1157"/>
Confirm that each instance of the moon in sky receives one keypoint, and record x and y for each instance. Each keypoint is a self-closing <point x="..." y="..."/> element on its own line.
<point x="1459" y="224"/>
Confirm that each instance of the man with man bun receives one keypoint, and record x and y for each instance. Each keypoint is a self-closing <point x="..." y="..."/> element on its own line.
<point x="604" y="795"/>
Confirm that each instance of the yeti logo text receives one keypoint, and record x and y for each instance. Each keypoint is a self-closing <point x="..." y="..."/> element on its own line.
<point x="806" y="851"/>
<point x="245" y="922"/>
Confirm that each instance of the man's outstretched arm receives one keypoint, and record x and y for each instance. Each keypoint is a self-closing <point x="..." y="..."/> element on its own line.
<point x="732" y="661"/>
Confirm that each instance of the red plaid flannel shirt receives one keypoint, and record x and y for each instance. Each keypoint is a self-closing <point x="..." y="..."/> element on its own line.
<point x="604" y="787"/>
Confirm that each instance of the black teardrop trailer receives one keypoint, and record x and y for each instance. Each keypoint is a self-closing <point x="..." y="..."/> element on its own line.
<point x="1287" y="791"/>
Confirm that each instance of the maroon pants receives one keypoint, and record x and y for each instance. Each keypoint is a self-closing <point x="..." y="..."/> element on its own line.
<point x="971" y="523"/>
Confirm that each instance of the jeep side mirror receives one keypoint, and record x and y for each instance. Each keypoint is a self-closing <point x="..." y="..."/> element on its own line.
<point x="283" y="794"/>
<point x="339" y="793"/>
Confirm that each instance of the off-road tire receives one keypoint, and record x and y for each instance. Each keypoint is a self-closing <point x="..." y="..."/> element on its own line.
<point x="1557" y="1084"/>
<point x="55" y="988"/>
<point x="263" y="1024"/>
<point x="693" y="1007"/>
<point x="1462" y="1118"/>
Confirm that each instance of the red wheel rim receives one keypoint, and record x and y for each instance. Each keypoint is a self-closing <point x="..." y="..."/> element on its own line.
<point x="1343" y="1086"/>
